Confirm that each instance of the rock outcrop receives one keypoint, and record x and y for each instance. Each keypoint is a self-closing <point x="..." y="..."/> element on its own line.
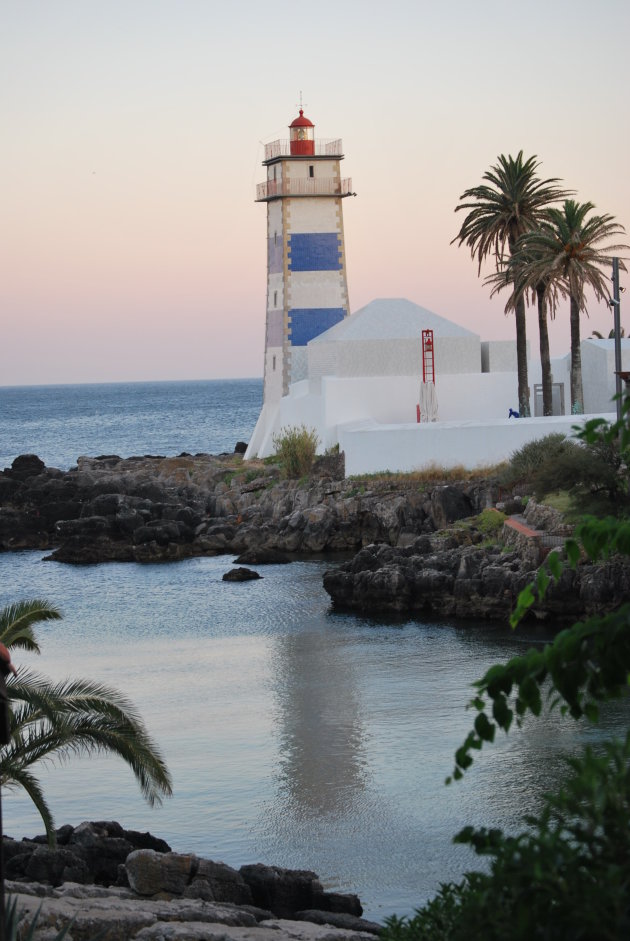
<point x="153" y="508"/>
<point x="458" y="573"/>
<point x="122" y="882"/>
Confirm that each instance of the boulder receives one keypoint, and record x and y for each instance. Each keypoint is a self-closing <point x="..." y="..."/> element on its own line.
<point x="25" y="466"/>
<point x="151" y="873"/>
<point x="240" y="574"/>
<point x="216" y="882"/>
<point x="54" y="866"/>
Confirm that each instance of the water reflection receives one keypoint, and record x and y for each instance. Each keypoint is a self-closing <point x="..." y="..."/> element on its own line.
<point x="322" y="759"/>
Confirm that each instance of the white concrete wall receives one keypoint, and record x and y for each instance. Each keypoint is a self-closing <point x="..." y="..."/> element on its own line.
<point x="313" y="214"/>
<point x="317" y="289"/>
<point x="274" y="219"/>
<point x="598" y="371"/>
<point x="394" y="398"/>
<point x="370" y="448"/>
<point x="499" y="356"/>
<point x="322" y="169"/>
<point x="393" y="357"/>
<point x="297" y="358"/>
<point x="273" y="374"/>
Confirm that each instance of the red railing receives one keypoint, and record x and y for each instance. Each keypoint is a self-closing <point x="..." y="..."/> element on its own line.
<point x="303" y="186"/>
<point x="323" y="148"/>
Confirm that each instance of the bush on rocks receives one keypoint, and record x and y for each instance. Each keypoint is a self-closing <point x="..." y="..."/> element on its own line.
<point x="296" y="447"/>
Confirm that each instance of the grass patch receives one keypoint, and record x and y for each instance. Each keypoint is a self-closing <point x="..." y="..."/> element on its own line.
<point x="432" y="474"/>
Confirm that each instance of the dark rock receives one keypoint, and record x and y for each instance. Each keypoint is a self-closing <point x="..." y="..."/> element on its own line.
<point x="84" y="526"/>
<point x="240" y="575"/>
<point x="283" y="891"/>
<point x="240" y="447"/>
<point x="216" y="882"/>
<point x="338" y="902"/>
<point x="9" y="488"/>
<point x="25" y="466"/>
<point x="449" y="504"/>
<point x="339" y="920"/>
<point x="55" y="866"/>
<point x="263" y="557"/>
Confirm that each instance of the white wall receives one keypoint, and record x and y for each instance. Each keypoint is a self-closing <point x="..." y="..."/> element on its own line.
<point x="598" y="371"/>
<point x="480" y="396"/>
<point x="313" y="214"/>
<point x="370" y="448"/>
<point x="499" y="356"/>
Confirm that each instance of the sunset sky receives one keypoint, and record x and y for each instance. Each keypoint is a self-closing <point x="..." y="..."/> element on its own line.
<point x="131" y="247"/>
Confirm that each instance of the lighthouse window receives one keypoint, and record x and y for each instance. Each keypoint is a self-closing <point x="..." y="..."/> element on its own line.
<point x="275" y="238"/>
<point x="274" y="172"/>
<point x="275" y="298"/>
<point x="311" y="171"/>
<point x="274" y="363"/>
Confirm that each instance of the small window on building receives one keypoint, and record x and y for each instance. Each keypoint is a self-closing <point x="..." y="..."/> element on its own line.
<point x="275" y="298"/>
<point x="273" y="363"/>
<point x="274" y="172"/>
<point x="275" y="238"/>
<point x="311" y="171"/>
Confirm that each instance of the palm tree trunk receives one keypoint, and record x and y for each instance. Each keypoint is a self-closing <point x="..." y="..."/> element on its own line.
<point x="521" y="359"/>
<point x="577" y="396"/>
<point x="545" y="360"/>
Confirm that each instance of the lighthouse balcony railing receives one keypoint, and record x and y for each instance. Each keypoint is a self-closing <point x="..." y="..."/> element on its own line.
<point x="303" y="186"/>
<point x="322" y="148"/>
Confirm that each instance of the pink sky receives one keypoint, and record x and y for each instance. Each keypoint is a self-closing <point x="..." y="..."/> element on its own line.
<point x="131" y="246"/>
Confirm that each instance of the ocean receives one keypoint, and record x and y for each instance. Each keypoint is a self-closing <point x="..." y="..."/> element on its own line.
<point x="63" y="422"/>
<point x="296" y="736"/>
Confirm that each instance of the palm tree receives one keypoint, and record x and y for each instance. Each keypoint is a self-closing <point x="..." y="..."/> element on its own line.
<point x="568" y="254"/>
<point x="52" y="721"/>
<point x="510" y="203"/>
<point x="514" y="274"/>
<point x="596" y="335"/>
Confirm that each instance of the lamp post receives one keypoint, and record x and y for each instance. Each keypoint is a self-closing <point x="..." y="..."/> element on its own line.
<point x="617" y="326"/>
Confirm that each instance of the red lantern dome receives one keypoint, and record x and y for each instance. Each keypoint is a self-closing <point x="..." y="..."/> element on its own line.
<point x="302" y="139"/>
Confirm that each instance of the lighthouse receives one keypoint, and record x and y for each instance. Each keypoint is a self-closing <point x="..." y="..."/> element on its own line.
<point x="307" y="290"/>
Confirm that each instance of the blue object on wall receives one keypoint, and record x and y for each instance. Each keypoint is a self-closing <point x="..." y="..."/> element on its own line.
<point x="309" y="322"/>
<point x="315" y="251"/>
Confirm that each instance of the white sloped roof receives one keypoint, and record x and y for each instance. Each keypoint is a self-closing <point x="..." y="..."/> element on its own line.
<point x="391" y="318"/>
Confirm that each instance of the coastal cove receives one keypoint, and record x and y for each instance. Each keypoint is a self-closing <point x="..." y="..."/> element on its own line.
<point x="297" y="735"/>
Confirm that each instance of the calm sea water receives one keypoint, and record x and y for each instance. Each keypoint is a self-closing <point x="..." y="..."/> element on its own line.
<point x="296" y="736"/>
<point x="60" y="423"/>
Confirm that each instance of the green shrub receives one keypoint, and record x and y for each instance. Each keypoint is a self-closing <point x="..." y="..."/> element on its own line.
<point x="526" y="461"/>
<point x="593" y="476"/>
<point x="567" y="876"/>
<point x="490" y="521"/>
<point x="296" y="447"/>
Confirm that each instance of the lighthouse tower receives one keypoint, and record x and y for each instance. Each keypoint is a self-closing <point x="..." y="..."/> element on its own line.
<point x="307" y="288"/>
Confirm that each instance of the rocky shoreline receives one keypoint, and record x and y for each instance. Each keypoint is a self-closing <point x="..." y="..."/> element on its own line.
<point x="410" y="554"/>
<point x="125" y="884"/>
<point x="162" y="509"/>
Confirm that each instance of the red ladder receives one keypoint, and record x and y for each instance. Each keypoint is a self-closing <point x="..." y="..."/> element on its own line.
<point x="428" y="359"/>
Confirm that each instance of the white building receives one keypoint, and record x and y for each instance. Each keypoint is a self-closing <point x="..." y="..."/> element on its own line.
<point x="356" y="379"/>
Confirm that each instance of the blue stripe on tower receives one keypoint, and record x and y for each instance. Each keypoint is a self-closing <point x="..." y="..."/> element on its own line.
<point x="315" y="251"/>
<point x="309" y="322"/>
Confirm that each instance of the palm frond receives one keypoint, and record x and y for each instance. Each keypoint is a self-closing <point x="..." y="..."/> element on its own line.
<point x="52" y="721"/>
<point x="17" y="620"/>
<point x="19" y="777"/>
